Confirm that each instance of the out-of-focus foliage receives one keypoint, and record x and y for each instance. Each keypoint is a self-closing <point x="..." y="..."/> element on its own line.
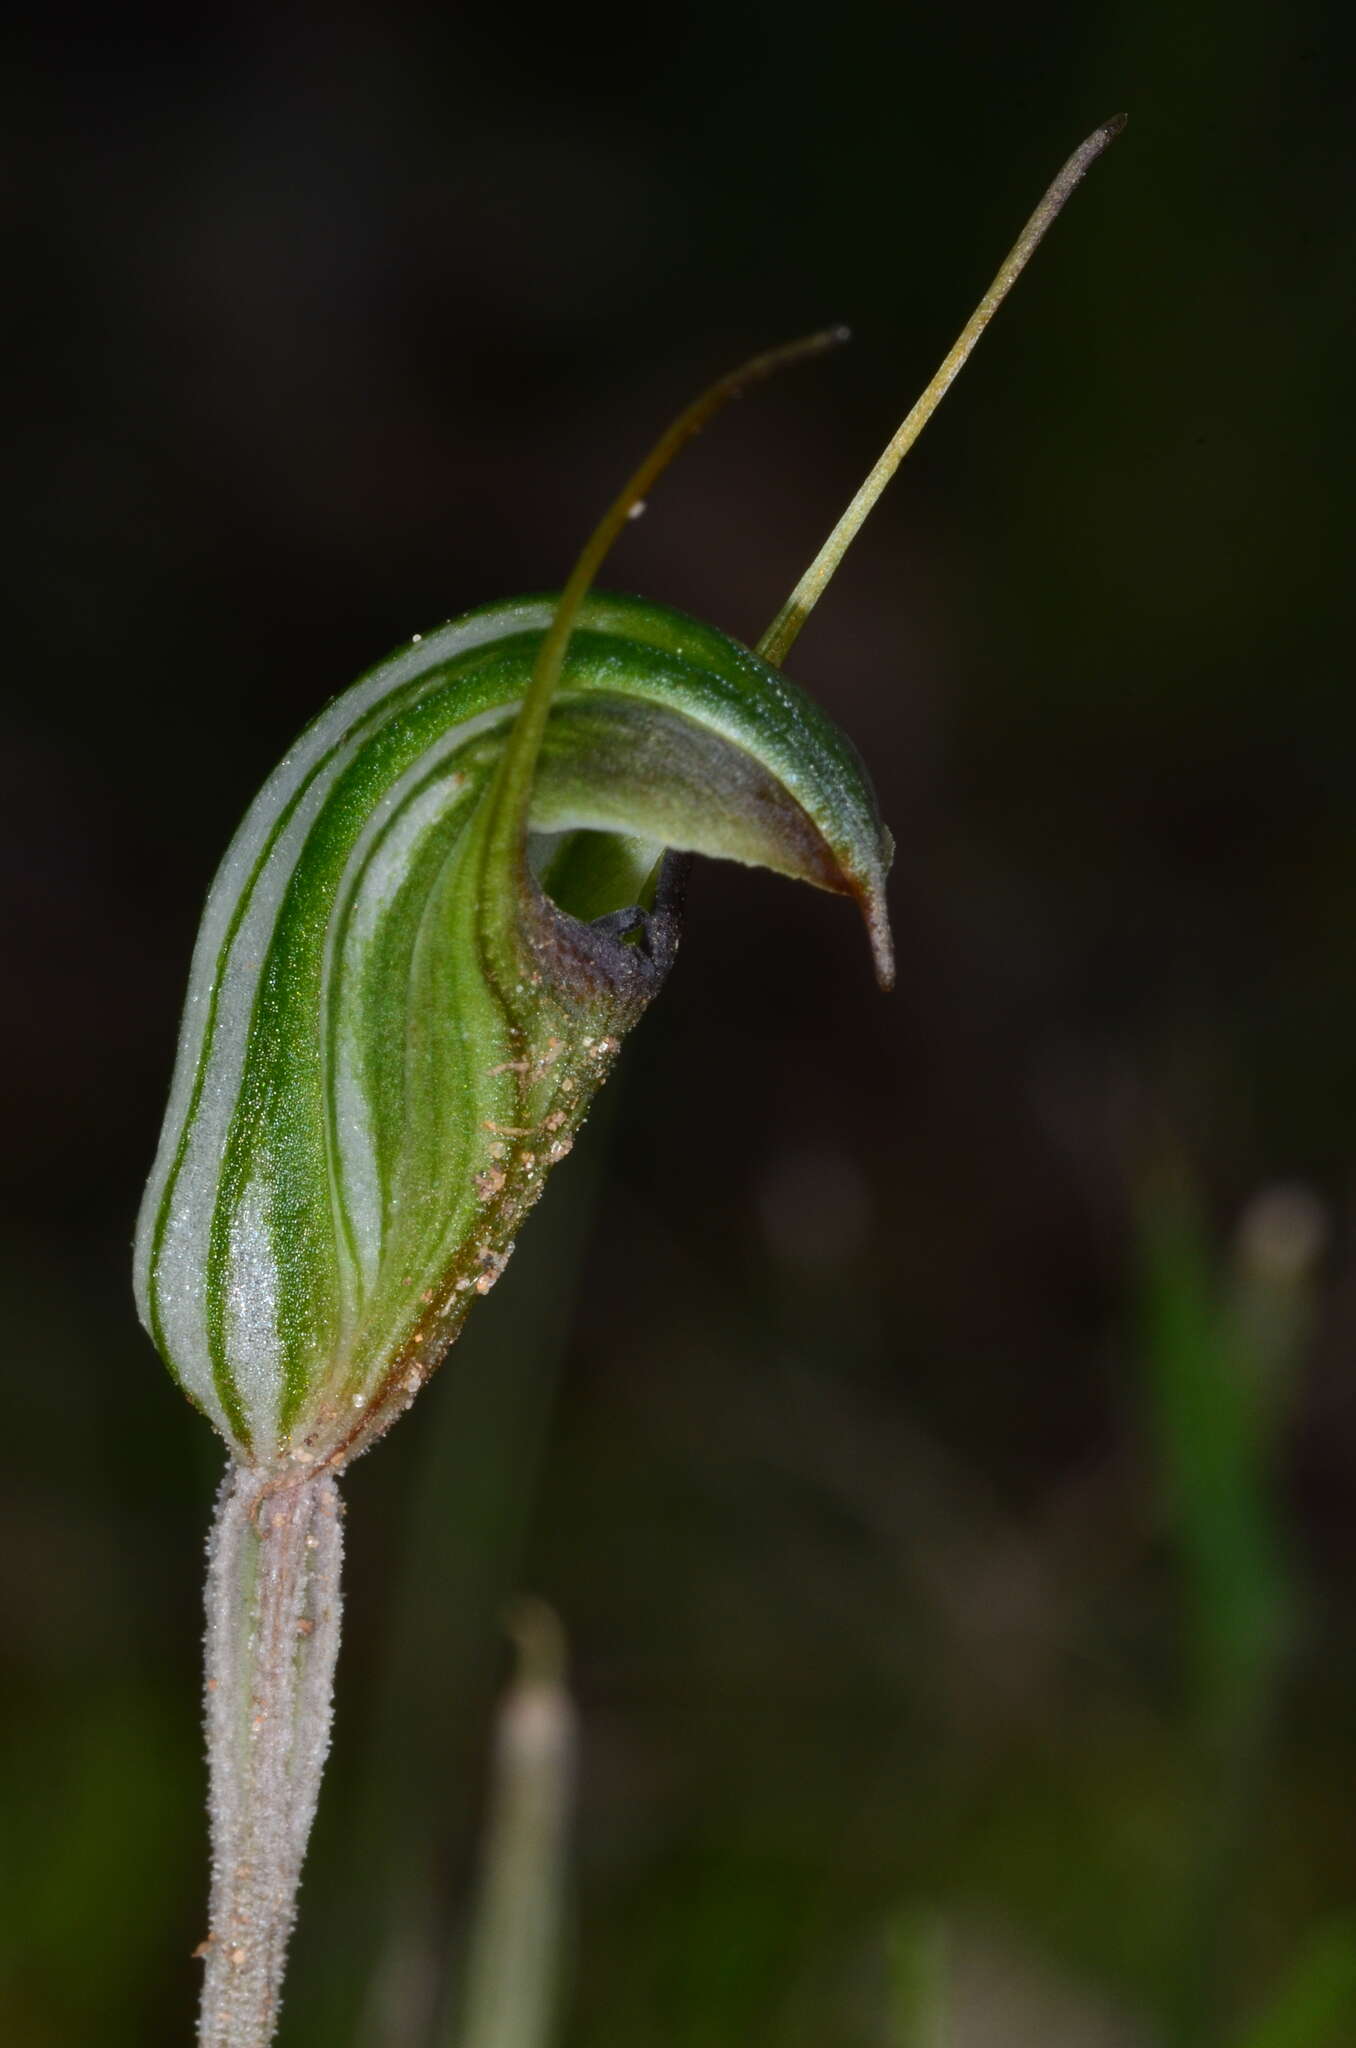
<point x="890" y="1432"/>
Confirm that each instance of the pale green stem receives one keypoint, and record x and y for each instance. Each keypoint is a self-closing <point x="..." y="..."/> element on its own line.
<point x="776" y="643"/>
<point x="512" y="1967"/>
<point x="272" y="1637"/>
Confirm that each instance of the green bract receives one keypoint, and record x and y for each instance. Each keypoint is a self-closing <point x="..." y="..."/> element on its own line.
<point x="393" y="1030"/>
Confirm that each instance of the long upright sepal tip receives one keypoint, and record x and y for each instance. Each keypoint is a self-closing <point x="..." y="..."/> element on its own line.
<point x="780" y="636"/>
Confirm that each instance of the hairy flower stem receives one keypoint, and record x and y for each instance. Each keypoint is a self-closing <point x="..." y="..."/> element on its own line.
<point x="272" y="1635"/>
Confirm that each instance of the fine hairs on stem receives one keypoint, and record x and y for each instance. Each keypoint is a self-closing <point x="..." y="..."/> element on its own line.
<point x="780" y="636"/>
<point x="273" y="1605"/>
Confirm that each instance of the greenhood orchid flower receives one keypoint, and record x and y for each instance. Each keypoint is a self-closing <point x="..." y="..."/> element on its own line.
<point x="442" y="914"/>
<point x="395" y="1023"/>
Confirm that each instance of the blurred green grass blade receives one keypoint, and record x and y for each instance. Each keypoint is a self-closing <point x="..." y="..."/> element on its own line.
<point x="512" y="1963"/>
<point x="1222" y="1341"/>
<point x="916" y="1956"/>
<point x="1316" y="2005"/>
<point x="1213" y="1444"/>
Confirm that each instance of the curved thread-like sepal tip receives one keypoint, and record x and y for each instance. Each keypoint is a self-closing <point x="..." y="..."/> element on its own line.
<point x="393" y="1031"/>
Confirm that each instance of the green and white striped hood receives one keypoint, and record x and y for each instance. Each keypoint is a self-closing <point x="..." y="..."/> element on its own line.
<point x="392" y="1032"/>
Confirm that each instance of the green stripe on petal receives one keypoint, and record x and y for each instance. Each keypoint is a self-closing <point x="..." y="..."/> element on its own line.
<point x="392" y="1033"/>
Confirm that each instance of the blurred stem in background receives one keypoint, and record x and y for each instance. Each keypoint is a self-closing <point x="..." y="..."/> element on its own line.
<point x="513" y="1955"/>
<point x="1222" y="1357"/>
<point x="380" y="1961"/>
<point x="916" y="1954"/>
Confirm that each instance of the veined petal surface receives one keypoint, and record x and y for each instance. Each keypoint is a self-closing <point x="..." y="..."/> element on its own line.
<point x="388" y="1040"/>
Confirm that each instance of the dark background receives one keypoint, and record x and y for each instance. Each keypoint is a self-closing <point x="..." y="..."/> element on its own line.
<point x="867" y="1394"/>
